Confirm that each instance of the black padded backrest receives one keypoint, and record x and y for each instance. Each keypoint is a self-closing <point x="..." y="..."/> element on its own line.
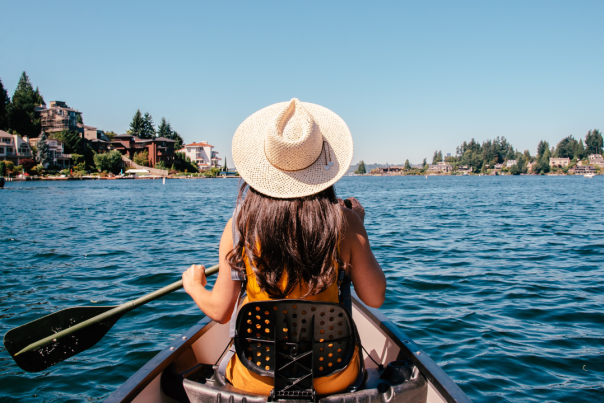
<point x="273" y="334"/>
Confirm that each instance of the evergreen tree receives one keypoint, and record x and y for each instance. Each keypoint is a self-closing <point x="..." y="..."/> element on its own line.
<point x="225" y="168"/>
<point x="4" y="107"/>
<point x="425" y="162"/>
<point x="593" y="142"/>
<point x="164" y="129"/>
<point x="437" y="157"/>
<point x="73" y="141"/>
<point x="361" y="168"/>
<point x="22" y="112"/>
<point x="407" y="165"/>
<point x="136" y="126"/>
<point x="179" y="140"/>
<point x="543" y="145"/>
<point x="148" y="129"/>
<point x="79" y="118"/>
<point x="43" y="150"/>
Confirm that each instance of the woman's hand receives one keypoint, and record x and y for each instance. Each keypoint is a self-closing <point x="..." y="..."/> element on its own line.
<point x="193" y="277"/>
<point x="356" y="207"/>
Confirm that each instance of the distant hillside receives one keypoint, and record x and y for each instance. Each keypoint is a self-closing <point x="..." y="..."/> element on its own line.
<point x="369" y="167"/>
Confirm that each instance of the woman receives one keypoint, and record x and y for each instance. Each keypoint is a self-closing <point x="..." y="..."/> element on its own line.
<point x="290" y="235"/>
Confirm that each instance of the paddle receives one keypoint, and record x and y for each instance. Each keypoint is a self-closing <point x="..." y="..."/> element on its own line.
<point x="47" y="341"/>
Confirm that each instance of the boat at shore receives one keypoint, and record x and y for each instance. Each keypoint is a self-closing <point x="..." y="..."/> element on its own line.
<point x="590" y="175"/>
<point x="184" y="371"/>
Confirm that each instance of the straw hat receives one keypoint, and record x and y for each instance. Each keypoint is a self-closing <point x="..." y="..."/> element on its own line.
<point x="292" y="149"/>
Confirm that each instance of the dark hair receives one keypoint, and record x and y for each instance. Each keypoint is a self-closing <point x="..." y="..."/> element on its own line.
<point x="298" y="236"/>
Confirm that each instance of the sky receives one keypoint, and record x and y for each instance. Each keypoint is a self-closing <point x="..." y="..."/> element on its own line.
<point x="408" y="77"/>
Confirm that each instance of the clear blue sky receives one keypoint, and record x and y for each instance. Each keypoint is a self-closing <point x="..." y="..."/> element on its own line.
<point x="408" y="77"/>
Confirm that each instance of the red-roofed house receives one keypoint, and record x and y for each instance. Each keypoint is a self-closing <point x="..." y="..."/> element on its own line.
<point x="201" y="154"/>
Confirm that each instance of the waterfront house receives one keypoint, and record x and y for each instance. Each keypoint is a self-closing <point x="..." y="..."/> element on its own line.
<point x="97" y="139"/>
<point x="559" y="162"/>
<point x="13" y="148"/>
<point x="441" y="167"/>
<point x="530" y="166"/>
<point x="159" y="148"/>
<point x="510" y="163"/>
<point x="201" y="154"/>
<point x="387" y="170"/>
<point x="56" y="149"/>
<point x="465" y="168"/>
<point x="585" y="169"/>
<point x="596" y="159"/>
<point x="498" y="166"/>
<point x="58" y="117"/>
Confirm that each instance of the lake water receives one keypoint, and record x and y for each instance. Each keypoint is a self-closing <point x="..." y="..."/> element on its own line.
<point x="499" y="279"/>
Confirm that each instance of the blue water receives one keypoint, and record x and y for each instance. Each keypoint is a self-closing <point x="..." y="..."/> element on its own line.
<point x="499" y="279"/>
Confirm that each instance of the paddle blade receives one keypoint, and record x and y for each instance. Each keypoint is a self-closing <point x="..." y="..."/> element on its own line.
<point x="44" y="357"/>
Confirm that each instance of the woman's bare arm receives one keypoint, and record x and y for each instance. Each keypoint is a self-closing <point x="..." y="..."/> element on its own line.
<point x="366" y="274"/>
<point x="218" y="303"/>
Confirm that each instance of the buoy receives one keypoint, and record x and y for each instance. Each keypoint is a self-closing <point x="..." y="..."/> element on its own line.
<point x="164" y="181"/>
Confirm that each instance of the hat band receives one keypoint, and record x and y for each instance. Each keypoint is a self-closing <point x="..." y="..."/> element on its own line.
<point x="325" y="143"/>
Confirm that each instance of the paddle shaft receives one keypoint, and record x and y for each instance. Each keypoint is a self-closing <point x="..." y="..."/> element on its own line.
<point x="118" y="310"/>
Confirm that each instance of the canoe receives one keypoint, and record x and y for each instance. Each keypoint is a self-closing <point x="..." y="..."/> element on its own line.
<point x="193" y="354"/>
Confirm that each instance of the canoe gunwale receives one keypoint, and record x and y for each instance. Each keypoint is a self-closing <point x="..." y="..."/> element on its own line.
<point x="143" y="377"/>
<point x="443" y="384"/>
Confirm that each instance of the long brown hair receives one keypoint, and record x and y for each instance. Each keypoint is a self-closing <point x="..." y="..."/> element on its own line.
<point x="299" y="236"/>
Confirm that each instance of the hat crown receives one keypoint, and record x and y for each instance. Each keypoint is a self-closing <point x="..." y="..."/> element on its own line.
<point x="293" y="141"/>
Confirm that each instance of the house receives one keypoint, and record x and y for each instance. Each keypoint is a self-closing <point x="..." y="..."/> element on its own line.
<point x="596" y="159"/>
<point x="58" y="117"/>
<point x="159" y="148"/>
<point x="97" y="139"/>
<point x="498" y="166"/>
<point x="14" y="148"/>
<point x="559" y="162"/>
<point x="441" y="167"/>
<point x="201" y="154"/>
<point x="56" y="150"/>
<point x="510" y="163"/>
<point x="585" y="169"/>
<point x="387" y="170"/>
<point x="464" y="168"/>
<point x="530" y="166"/>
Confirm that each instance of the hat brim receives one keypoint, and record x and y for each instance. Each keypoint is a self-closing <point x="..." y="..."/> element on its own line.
<point x="253" y="166"/>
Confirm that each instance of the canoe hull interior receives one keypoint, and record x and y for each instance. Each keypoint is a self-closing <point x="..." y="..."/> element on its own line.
<point x="193" y="354"/>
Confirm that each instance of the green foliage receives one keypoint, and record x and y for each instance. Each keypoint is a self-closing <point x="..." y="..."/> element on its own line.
<point x="483" y="170"/>
<point x="160" y="165"/>
<point x="407" y="165"/>
<point x="173" y="168"/>
<point x="18" y="170"/>
<point x="541" y="147"/>
<point x="148" y="129"/>
<point x="142" y="158"/>
<point x="212" y="172"/>
<point x="566" y="148"/>
<point x="4" y="107"/>
<point x="110" y="161"/>
<point x="438" y="157"/>
<point x="136" y="126"/>
<point x="110" y="134"/>
<point x="489" y="152"/>
<point x="183" y="163"/>
<point x="37" y="170"/>
<point x="77" y="158"/>
<point x="593" y="142"/>
<point x="2" y="168"/>
<point x="43" y="150"/>
<point x="580" y="150"/>
<point x="22" y="112"/>
<point x="64" y="172"/>
<point x="425" y="162"/>
<point x="72" y="139"/>
<point x="165" y="130"/>
<point x="361" y="168"/>
<point x="225" y="168"/>
<point x="79" y="118"/>
<point x="10" y="166"/>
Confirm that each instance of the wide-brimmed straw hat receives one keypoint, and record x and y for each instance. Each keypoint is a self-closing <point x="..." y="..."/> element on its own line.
<point x="292" y="149"/>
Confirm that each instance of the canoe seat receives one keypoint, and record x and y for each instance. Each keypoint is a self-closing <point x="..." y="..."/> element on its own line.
<point x="295" y="341"/>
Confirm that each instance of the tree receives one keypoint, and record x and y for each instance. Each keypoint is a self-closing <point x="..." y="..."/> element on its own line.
<point x="593" y="142"/>
<point x="566" y="147"/>
<point x="438" y="157"/>
<point x="4" y="107"/>
<point x="543" y="145"/>
<point x="22" y="112"/>
<point x="2" y="168"/>
<point x="580" y="150"/>
<point x="72" y="139"/>
<point x="110" y="161"/>
<point x="148" y="129"/>
<point x="110" y="134"/>
<point x="136" y="126"/>
<point x="160" y="165"/>
<point x="43" y="150"/>
<point x="28" y="164"/>
<point x="142" y="158"/>
<point x="425" y="162"/>
<point x="179" y="140"/>
<point x="164" y="129"/>
<point x="407" y="165"/>
<point x="361" y="168"/>
<point x="225" y="168"/>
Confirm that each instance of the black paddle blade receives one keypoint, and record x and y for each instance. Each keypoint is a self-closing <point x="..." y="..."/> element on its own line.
<point x="44" y="357"/>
